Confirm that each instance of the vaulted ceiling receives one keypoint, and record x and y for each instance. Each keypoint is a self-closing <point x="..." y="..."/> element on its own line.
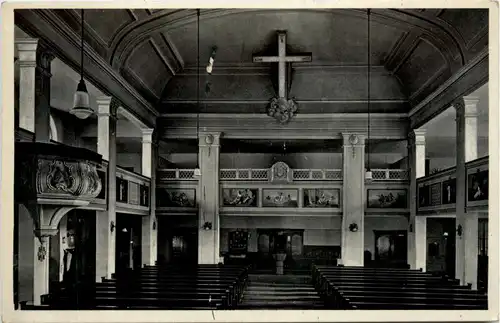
<point x="412" y="53"/>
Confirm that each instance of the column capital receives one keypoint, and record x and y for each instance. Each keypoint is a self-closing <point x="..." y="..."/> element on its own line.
<point x="209" y="139"/>
<point x="417" y="137"/>
<point x="26" y="48"/>
<point x="466" y="106"/>
<point x="44" y="58"/>
<point x="104" y="106"/>
<point x="147" y="135"/>
<point x="353" y="139"/>
<point x="470" y="103"/>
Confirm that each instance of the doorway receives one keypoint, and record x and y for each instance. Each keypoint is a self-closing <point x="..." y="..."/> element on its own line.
<point x="128" y="242"/>
<point x="391" y="249"/>
<point x="441" y="246"/>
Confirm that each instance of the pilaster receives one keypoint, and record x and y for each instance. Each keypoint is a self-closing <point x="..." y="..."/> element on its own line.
<point x="416" y="227"/>
<point x="353" y="206"/>
<point x="466" y="222"/>
<point x="106" y="220"/>
<point x="42" y="92"/>
<point x="149" y="225"/>
<point x="27" y="51"/>
<point x="208" y="199"/>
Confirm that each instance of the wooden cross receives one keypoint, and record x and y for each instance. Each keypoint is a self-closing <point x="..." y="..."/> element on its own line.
<point x="282" y="59"/>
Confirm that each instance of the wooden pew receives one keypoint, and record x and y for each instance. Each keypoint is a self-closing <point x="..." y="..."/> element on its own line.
<point x="163" y="287"/>
<point x="376" y="288"/>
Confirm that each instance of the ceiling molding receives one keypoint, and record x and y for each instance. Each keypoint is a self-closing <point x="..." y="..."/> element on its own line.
<point x="469" y="78"/>
<point x="402" y="52"/>
<point x="45" y="24"/>
<point x="161" y="55"/>
<point x="175" y="53"/>
<point x="261" y="126"/>
<point x="140" y="82"/>
<point x="429" y="83"/>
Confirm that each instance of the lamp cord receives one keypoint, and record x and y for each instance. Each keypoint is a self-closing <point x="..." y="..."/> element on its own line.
<point x="368" y="81"/>
<point x="81" y="58"/>
<point x="198" y="89"/>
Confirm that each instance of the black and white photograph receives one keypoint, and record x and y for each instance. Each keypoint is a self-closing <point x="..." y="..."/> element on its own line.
<point x="187" y="163"/>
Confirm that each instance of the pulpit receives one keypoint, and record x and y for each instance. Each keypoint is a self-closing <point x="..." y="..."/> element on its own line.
<point x="280" y="260"/>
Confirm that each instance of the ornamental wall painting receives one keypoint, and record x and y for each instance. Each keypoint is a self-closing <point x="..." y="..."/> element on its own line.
<point x="477" y="185"/>
<point x="449" y="191"/>
<point x="387" y="199"/>
<point x="121" y="190"/>
<point x="176" y="197"/>
<point x="280" y="198"/>
<point x="320" y="198"/>
<point x="239" y="197"/>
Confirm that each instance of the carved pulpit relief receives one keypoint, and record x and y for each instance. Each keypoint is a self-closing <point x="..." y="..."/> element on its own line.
<point x="282" y="108"/>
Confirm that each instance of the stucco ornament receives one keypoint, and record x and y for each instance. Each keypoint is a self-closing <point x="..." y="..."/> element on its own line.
<point x="282" y="109"/>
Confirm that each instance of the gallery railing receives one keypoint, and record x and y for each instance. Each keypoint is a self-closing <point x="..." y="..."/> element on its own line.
<point x="390" y="174"/>
<point x="132" y="191"/>
<point x="437" y="192"/>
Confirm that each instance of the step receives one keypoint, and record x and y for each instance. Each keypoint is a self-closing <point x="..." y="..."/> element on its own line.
<point x="287" y="298"/>
<point x="281" y="285"/>
<point x="280" y="292"/>
<point x="281" y="304"/>
<point x="280" y="288"/>
<point x="264" y="283"/>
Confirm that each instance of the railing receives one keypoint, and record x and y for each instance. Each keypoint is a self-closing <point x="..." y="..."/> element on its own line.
<point x="176" y="175"/>
<point x="133" y="190"/>
<point x="390" y="174"/>
<point x="263" y="174"/>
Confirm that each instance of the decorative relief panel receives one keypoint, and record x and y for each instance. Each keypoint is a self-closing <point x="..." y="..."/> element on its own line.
<point x="387" y="198"/>
<point x="239" y="197"/>
<point x="280" y="197"/>
<point x="173" y="197"/>
<point x="322" y="198"/>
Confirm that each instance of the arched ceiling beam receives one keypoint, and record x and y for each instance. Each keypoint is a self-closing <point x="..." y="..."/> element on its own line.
<point x="433" y="29"/>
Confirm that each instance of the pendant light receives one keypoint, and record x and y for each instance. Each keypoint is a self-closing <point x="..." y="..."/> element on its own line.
<point x="368" y="173"/>
<point x="197" y="170"/>
<point x="81" y="104"/>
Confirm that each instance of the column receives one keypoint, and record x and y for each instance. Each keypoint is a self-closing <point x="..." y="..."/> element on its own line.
<point x="149" y="225"/>
<point x="467" y="243"/>
<point x="208" y="199"/>
<point x="41" y="267"/>
<point x="27" y="66"/>
<point x="42" y="89"/>
<point x="353" y="206"/>
<point x="417" y="237"/>
<point x="106" y="146"/>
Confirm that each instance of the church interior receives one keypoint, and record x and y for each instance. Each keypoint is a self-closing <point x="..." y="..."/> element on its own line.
<point x="251" y="159"/>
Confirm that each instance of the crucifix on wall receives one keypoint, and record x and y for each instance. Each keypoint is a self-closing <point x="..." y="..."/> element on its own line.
<point x="281" y="107"/>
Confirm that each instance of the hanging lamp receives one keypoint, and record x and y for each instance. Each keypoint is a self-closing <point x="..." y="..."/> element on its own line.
<point x="197" y="170"/>
<point x="81" y="102"/>
<point x="368" y="173"/>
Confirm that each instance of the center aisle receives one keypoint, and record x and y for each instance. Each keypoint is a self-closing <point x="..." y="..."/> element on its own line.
<point x="280" y="292"/>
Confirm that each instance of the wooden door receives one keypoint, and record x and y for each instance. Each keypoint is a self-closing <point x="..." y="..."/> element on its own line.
<point x="390" y="248"/>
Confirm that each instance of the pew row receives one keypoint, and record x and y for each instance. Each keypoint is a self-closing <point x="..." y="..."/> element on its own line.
<point x="381" y="288"/>
<point x="203" y="287"/>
